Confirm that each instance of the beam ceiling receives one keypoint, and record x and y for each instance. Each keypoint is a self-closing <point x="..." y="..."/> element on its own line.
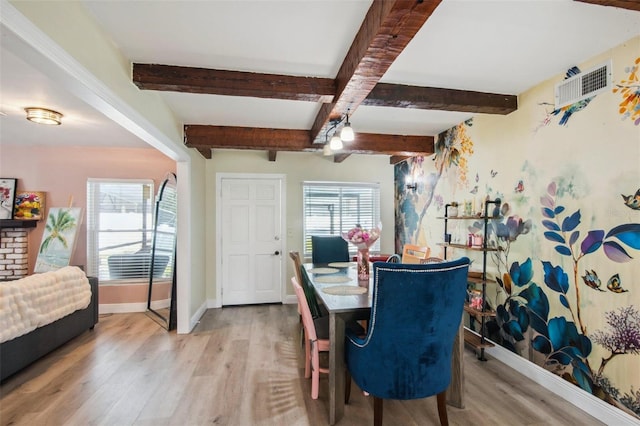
<point x="386" y="30"/>
<point x="622" y="4"/>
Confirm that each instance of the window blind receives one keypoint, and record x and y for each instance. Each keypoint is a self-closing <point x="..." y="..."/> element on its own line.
<point x="331" y="208"/>
<point x="119" y="228"/>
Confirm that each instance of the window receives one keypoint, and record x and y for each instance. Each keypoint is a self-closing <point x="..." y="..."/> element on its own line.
<point x="331" y="208"/>
<point x="119" y="228"/>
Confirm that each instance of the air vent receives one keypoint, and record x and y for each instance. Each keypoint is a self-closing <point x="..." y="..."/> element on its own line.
<point x="584" y="85"/>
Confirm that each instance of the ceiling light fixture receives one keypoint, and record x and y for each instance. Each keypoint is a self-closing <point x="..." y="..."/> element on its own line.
<point x="43" y="116"/>
<point x="336" y="143"/>
<point x="346" y="134"/>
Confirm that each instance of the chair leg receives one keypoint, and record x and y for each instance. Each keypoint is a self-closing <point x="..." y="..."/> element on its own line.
<point x="347" y="386"/>
<point x="377" y="411"/>
<point x="442" y="408"/>
<point x="307" y="358"/>
<point x="315" y="371"/>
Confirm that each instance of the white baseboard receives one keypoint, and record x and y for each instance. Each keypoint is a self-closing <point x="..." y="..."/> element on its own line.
<point x="588" y="403"/>
<point x="288" y="300"/>
<point x="195" y="319"/>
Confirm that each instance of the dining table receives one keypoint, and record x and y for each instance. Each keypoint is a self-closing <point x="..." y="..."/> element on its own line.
<point x="346" y="299"/>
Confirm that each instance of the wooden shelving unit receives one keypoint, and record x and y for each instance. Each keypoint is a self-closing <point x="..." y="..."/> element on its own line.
<point x="476" y="340"/>
<point x="471" y="337"/>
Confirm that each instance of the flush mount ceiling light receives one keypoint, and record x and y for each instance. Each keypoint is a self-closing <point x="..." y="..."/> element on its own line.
<point x="43" y="116"/>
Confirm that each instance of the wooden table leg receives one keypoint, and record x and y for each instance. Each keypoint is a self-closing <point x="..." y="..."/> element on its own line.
<point x="455" y="392"/>
<point x="336" y="368"/>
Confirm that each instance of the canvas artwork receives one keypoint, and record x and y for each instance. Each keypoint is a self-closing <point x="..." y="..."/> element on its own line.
<point x="59" y="238"/>
<point x="29" y="205"/>
<point x="7" y="197"/>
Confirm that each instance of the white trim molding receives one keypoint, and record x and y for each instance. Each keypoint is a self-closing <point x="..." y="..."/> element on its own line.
<point x="588" y="403"/>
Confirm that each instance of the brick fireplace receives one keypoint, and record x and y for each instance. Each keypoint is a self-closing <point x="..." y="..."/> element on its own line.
<point x="14" y="248"/>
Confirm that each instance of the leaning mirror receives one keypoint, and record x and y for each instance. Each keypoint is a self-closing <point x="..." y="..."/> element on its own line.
<point x="161" y="301"/>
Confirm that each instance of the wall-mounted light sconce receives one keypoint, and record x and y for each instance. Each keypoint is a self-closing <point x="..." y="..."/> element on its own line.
<point x="43" y="116"/>
<point x="411" y="183"/>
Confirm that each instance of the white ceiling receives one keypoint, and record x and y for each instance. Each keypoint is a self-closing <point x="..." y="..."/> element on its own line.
<point x="505" y="46"/>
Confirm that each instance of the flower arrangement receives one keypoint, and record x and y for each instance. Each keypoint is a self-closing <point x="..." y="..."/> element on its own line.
<point x="362" y="238"/>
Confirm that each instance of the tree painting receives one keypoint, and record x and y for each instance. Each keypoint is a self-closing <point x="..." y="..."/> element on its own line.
<point x="58" y="239"/>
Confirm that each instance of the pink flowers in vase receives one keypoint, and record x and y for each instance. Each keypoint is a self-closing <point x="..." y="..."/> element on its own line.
<point x="362" y="238"/>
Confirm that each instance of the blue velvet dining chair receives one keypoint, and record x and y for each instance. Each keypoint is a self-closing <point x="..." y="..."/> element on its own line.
<point x="329" y="248"/>
<point x="415" y="315"/>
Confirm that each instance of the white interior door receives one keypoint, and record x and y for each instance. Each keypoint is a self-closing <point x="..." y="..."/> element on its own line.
<point x="251" y="244"/>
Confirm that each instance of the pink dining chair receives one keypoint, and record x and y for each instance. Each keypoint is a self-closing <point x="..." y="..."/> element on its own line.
<point x="314" y="344"/>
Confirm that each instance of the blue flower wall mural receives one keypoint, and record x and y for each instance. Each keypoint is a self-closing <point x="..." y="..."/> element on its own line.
<point x="563" y="284"/>
<point x="564" y="339"/>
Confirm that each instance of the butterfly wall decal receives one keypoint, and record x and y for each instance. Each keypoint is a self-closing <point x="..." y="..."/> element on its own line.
<point x="632" y="201"/>
<point x="614" y="284"/>
<point x="591" y="280"/>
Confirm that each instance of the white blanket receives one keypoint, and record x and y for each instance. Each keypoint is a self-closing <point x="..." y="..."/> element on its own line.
<point x="40" y="299"/>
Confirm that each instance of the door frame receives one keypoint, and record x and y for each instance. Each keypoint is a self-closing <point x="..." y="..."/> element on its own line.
<point x="283" y="226"/>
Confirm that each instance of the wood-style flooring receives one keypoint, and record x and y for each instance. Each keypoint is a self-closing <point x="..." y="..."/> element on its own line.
<point x="241" y="366"/>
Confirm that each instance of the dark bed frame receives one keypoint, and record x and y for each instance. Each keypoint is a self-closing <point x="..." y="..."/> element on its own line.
<point x="22" y="351"/>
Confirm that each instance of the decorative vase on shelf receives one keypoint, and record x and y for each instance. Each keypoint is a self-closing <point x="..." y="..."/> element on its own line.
<point x="363" y="267"/>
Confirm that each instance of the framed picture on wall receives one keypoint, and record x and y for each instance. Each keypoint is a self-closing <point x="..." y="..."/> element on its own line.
<point x="29" y="205"/>
<point x="7" y="197"/>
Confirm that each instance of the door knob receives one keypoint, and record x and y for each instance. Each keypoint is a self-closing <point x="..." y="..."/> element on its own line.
<point x="276" y="252"/>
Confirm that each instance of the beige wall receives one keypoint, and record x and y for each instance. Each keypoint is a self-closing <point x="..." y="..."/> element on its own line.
<point x="298" y="167"/>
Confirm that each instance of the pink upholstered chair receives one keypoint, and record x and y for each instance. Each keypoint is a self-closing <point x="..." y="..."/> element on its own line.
<point x="317" y="340"/>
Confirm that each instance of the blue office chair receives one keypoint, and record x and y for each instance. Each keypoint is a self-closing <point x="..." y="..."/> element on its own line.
<point x="329" y="248"/>
<point x="415" y="315"/>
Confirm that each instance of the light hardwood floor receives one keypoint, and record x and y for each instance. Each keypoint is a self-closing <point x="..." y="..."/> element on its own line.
<point x="241" y="366"/>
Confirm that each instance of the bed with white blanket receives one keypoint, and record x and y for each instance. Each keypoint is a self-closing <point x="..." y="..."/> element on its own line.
<point x="41" y="312"/>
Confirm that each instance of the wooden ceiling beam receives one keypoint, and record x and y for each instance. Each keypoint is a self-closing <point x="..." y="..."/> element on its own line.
<point x="339" y="158"/>
<point x="386" y="30"/>
<point x="173" y="78"/>
<point x="395" y="159"/>
<point x="622" y="4"/>
<point x="401" y="96"/>
<point x="271" y="86"/>
<point x="229" y="137"/>
<point x="401" y="145"/>
<point x="205" y="152"/>
<point x="204" y="138"/>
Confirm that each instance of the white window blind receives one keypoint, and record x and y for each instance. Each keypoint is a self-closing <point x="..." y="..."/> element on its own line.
<point x="331" y="208"/>
<point x="119" y="228"/>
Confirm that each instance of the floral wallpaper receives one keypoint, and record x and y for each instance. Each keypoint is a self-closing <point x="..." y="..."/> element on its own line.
<point x="566" y="292"/>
